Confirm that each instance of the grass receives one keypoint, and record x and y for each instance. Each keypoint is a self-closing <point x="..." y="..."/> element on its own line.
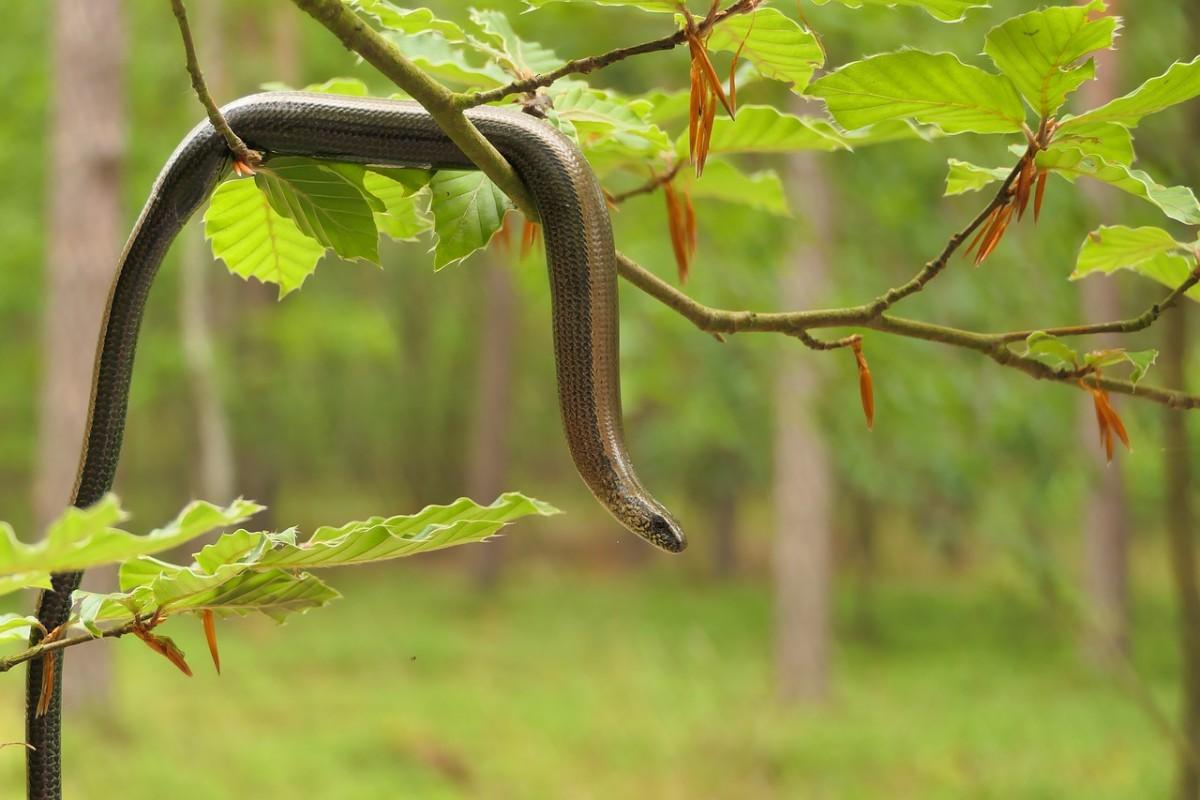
<point x="570" y="686"/>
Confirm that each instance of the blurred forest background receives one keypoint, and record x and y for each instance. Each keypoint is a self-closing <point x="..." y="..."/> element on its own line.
<point x="962" y="603"/>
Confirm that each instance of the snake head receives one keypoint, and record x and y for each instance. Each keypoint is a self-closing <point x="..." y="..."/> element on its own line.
<point x="664" y="532"/>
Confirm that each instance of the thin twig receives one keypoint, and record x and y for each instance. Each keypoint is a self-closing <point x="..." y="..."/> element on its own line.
<point x="239" y="149"/>
<point x="583" y="66"/>
<point x="649" y="186"/>
<point x="39" y="650"/>
<point x="812" y="343"/>
<point x="1133" y="325"/>
<point x="933" y="268"/>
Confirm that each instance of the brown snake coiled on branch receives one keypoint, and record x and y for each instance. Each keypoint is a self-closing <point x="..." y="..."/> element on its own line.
<point x="583" y="279"/>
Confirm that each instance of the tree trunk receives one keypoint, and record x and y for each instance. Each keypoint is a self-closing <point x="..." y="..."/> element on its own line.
<point x="1105" y="533"/>
<point x="866" y="523"/>
<point x="802" y="484"/>
<point x="1105" y="518"/>
<point x="214" y="450"/>
<point x="85" y="231"/>
<point x="1180" y="524"/>
<point x="725" y="519"/>
<point x="493" y="406"/>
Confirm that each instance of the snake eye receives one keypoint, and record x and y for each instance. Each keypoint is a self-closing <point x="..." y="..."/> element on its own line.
<point x="665" y="533"/>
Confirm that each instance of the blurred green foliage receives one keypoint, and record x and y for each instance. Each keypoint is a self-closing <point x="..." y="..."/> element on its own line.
<point x="967" y="691"/>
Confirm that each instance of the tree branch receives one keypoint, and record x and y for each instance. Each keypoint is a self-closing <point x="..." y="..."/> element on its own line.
<point x="439" y="101"/>
<point x="583" y="66"/>
<point x="55" y="645"/>
<point x="996" y="349"/>
<point x="239" y="149"/>
<point x="721" y="321"/>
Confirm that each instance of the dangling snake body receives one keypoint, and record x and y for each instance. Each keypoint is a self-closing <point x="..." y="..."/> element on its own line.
<point x="583" y="281"/>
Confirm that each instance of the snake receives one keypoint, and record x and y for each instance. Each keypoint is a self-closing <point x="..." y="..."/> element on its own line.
<point x="582" y="265"/>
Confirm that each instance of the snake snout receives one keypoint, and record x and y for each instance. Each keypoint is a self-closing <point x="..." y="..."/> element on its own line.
<point x="664" y="532"/>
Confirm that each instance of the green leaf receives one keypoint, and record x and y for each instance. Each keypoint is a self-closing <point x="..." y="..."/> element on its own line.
<point x="602" y="111"/>
<point x="933" y="89"/>
<point x="83" y="538"/>
<point x="1170" y="270"/>
<point x="965" y="177"/>
<point x="1107" y="140"/>
<point x="892" y="130"/>
<point x="1177" y="202"/>
<point x="467" y="209"/>
<point x="411" y="20"/>
<point x="381" y="539"/>
<point x="776" y="44"/>
<point x="325" y="201"/>
<point x="1150" y="252"/>
<point x="1110" y="248"/>
<point x="561" y="125"/>
<point x="1140" y="361"/>
<point x="598" y="113"/>
<point x="1051" y="351"/>
<point x="725" y="182"/>
<point x="405" y="215"/>
<point x="255" y="241"/>
<point x="406" y="219"/>
<point x="1040" y="51"/>
<point x="410" y="179"/>
<point x="447" y="62"/>
<point x="15" y="628"/>
<point x="666" y="106"/>
<point x="24" y="580"/>
<point x="76" y="525"/>
<point x="944" y="10"/>
<point x="765" y="129"/>
<point x="244" y="572"/>
<point x="234" y="589"/>
<point x="609" y="127"/>
<point x="513" y="53"/>
<point x="1179" y="84"/>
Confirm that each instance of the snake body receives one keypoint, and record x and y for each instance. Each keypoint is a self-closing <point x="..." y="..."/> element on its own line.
<point x="583" y="280"/>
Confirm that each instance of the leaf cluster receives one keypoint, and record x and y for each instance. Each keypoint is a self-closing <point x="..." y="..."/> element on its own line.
<point x="241" y="572"/>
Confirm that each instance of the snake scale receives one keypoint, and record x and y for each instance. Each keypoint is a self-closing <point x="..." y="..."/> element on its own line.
<point x="583" y="280"/>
